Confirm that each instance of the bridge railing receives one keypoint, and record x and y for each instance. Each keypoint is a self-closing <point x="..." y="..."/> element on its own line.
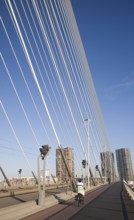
<point x="12" y="191"/>
<point x="129" y="190"/>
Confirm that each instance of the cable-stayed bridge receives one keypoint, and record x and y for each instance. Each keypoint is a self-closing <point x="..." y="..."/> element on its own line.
<point x="47" y="92"/>
<point x="47" y="96"/>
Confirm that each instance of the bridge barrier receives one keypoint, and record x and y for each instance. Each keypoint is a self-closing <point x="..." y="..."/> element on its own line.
<point x="129" y="191"/>
<point x="128" y="197"/>
<point x="13" y="191"/>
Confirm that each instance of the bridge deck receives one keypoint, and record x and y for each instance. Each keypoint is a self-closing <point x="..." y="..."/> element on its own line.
<point x="103" y="203"/>
<point x="109" y="205"/>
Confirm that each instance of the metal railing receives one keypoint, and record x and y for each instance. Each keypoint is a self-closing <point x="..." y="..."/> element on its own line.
<point x="129" y="190"/>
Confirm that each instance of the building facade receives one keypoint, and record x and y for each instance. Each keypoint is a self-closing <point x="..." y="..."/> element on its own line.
<point x="61" y="171"/>
<point x="124" y="164"/>
<point x="108" y="165"/>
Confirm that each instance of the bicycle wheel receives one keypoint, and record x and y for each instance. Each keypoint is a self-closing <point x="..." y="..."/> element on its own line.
<point x="79" y="200"/>
<point x="76" y="201"/>
<point x="78" y="204"/>
<point x="82" y="202"/>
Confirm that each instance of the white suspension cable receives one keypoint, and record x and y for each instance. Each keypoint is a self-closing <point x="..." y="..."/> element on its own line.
<point x="40" y="71"/>
<point x="21" y="71"/>
<point x="72" y="20"/>
<point x="32" y="71"/>
<point x="84" y="96"/>
<point x="54" y="62"/>
<point x="10" y="124"/>
<point x="71" y="54"/>
<point x="50" y="72"/>
<point x="19" y="99"/>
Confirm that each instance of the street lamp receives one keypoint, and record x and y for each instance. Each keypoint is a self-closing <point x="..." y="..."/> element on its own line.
<point x="84" y="163"/>
<point x="19" y="172"/>
<point x="87" y="131"/>
<point x="41" y="187"/>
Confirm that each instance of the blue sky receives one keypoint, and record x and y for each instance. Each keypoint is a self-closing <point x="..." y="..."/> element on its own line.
<point x="107" y="33"/>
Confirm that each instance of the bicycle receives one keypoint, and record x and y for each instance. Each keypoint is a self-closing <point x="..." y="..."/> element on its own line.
<point x="79" y="199"/>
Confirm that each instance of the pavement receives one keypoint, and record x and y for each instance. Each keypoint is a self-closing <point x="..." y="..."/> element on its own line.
<point x="107" y="206"/>
<point x="113" y="204"/>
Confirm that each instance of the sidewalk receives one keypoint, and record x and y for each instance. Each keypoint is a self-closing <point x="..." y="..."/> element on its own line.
<point x="108" y="206"/>
<point x="105" y="203"/>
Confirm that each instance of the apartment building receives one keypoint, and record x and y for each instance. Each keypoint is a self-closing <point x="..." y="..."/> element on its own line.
<point x="108" y="165"/>
<point x="124" y="164"/>
<point x="61" y="171"/>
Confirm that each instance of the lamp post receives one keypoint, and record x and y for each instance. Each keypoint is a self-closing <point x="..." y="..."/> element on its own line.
<point x="19" y="172"/>
<point x="87" y="131"/>
<point x="84" y="163"/>
<point x="41" y="186"/>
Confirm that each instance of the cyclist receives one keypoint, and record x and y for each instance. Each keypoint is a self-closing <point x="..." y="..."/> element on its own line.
<point x="80" y="188"/>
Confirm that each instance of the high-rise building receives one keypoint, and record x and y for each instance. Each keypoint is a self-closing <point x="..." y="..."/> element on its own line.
<point x="124" y="164"/>
<point x="108" y="165"/>
<point x="61" y="171"/>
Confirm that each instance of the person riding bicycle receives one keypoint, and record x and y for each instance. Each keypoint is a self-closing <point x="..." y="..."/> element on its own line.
<point x="80" y="187"/>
